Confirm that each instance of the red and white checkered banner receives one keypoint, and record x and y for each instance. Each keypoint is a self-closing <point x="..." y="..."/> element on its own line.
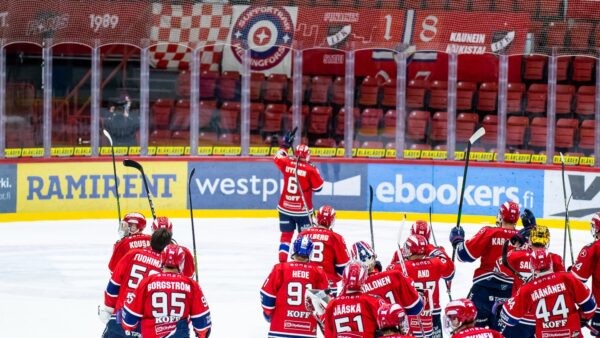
<point x="268" y="32"/>
<point x="175" y="27"/>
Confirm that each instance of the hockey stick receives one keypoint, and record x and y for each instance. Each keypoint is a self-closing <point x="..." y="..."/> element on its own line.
<point x="371" y="216"/>
<point x="507" y="264"/>
<point x="112" y="150"/>
<point x="431" y="228"/>
<point x="192" y="219"/>
<point x="136" y="165"/>
<point x="567" y="221"/>
<point x="302" y="192"/>
<point x="320" y="304"/>
<point x="476" y="136"/>
<point x="593" y="330"/>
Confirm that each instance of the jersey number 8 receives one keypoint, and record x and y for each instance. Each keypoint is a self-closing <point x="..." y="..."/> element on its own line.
<point x="317" y="252"/>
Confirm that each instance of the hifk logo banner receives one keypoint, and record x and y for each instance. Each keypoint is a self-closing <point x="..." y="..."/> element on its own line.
<point x="582" y="188"/>
<point x="268" y="32"/>
<point x="413" y="188"/>
<point x="8" y="188"/>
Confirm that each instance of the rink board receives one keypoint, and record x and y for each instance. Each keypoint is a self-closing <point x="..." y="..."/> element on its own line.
<point x="38" y="190"/>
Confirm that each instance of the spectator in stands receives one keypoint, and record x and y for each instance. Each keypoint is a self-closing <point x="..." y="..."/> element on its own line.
<point x="121" y="125"/>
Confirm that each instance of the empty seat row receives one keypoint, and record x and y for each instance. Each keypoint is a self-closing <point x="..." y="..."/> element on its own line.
<point x="577" y="69"/>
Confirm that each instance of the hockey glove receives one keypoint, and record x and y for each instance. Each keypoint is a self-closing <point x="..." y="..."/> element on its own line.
<point x="378" y="266"/>
<point x="497" y="308"/>
<point x="104" y="313"/>
<point x="528" y="219"/>
<point x="522" y="237"/>
<point x="457" y="235"/>
<point x="267" y="317"/>
<point x="288" y="139"/>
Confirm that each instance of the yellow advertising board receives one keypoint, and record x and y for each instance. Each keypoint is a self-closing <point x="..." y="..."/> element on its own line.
<point x="90" y="187"/>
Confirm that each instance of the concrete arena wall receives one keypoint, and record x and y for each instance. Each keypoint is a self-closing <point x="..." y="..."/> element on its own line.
<point x="250" y="187"/>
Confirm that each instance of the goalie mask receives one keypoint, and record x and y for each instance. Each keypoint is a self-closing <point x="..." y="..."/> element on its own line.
<point x="540" y="236"/>
<point x="132" y="223"/>
<point x="362" y="251"/>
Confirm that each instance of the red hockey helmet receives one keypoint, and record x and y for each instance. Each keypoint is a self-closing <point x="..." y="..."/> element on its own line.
<point x="326" y="216"/>
<point x="595" y="225"/>
<point x="162" y="222"/>
<point x="458" y="313"/>
<point x="362" y="251"/>
<point x="540" y="260"/>
<point x="173" y="256"/>
<point x="414" y="245"/>
<point x="355" y="275"/>
<point x="392" y="316"/>
<point x="302" y="151"/>
<point x="509" y="212"/>
<point x="133" y="223"/>
<point x="421" y="227"/>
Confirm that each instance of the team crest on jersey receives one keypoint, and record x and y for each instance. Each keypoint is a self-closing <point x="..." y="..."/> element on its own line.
<point x="269" y="32"/>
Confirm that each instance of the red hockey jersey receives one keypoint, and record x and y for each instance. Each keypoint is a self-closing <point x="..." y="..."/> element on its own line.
<point x="477" y="332"/>
<point x="165" y="302"/>
<point x="429" y="250"/>
<point x="329" y="251"/>
<point x="486" y="244"/>
<point x="426" y="274"/>
<point x="557" y="300"/>
<point x="395" y="288"/>
<point x="352" y="315"/>
<point x="290" y="202"/>
<point x="136" y="241"/>
<point x="587" y="266"/>
<point x="132" y="268"/>
<point x="283" y="294"/>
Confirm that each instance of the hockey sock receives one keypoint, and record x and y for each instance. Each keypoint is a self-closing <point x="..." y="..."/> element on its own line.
<point x="284" y="246"/>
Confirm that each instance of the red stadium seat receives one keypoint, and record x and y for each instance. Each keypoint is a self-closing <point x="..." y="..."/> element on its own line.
<point x="488" y="96"/>
<point x="413" y="4"/>
<point x="458" y="5"/>
<point x="160" y="138"/>
<point x="490" y="123"/>
<point x="534" y="67"/>
<point x="389" y="93"/>
<point x="325" y="143"/>
<point x="180" y="138"/>
<point x="256" y="111"/>
<point x="275" y="87"/>
<point x="304" y="90"/>
<point x="465" y="92"/>
<point x="555" y="33"/>
<point x="562" y="68"/>
<point x="587" y="135"/>
<point x="439" y="95"/>
<point x="319" y="93"/>
<point x="355" y="144"/>
<point x="207" y="110"/>
<point x="465" y="126"/>
<point x="229" y="116"/>
<point x="372" y="145"/>
<point x="515" y="131"/>
<point x="420" y="146"/>
<point x="207" y="138"/>
<point x="389" y="124"/>
<point x="579" y="36"/>
<point x="339" y="91"/>
<point x="161" y="113"/>
<point x="501" y="5"/>
<point x="208" y="84"/>
<point x="536" y="98"/>
<point x="229" y="86"/>
<point x="415" y="94"/>
<point x="550" y="8"/>
<point x="565" y="133"/>
<point x="564" y="98"/>
<point x="369" y="122"/>
<point x="273" y="118"/>
<point x="369" y="91"/>
<point x="514" y="96"/>
<point x="340" y="125"/>
<point x="583" y="68"/>
<point x="585" y="101"/>
<point x="256" y="85"/>
<point x="319" y="120"/>
<point x="538" y="131"/>
<point x="439" y="129"/>
<point x="229" y="140"/>
<point x="256" y="140"/>
<point x="417" y="124"/>
<point x="183" y="84"/>
<point x="181" y="116"/>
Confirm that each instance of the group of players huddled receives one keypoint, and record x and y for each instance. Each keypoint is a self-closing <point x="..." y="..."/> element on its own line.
<point x="519" y="289"/>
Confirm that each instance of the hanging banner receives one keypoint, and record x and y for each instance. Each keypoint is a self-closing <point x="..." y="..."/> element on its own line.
<point x="582" y="9"/>
<point x="268" y="32"/>
<point x="470" y="33"/>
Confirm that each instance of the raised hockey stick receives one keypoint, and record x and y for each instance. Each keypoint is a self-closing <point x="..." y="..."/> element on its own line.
<point x="399" y="244"/>
<point x="112" y="150"/>
<point x="136" y="165"/>
<point x="192" y="220"/>
<point x="299" y="187"/>
<point x="507" y="264"/>
<point x="476" y="136"/>
<point x="567" y="221"/>
<point x="431" y="228"/>
<point x="371" y="216"/>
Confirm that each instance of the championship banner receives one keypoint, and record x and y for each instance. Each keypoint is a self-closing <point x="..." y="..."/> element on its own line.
<point x="470" y="33"/>
<point x="176" y="26"/>
<point x="268" y="32"/>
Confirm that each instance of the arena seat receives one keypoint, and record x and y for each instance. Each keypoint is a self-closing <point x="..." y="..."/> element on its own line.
<point x="372" y="145"/>
<point x="490" y="123"/>
<point x="339" y="91"/>
<point x="208" y="84"/>
<point x="549" y="8"/>
<point x="536" y="98"/>
<point x="229" y="139"/>
<point x="583" y="68"/>
<point x="439" y="95"/>
<point x="319" y="120"/>
<point x="273" y="117"/>
<point x="340" y="125"/>
<point x="159" y="138"/>
<point x="465" y="92"/>
<point x="417" y="124"/>
<point x="419" y="146"/>
<point x="229" y="86"/>
<point x="180" y="138"/>
<point x="369" y="92"/>
<point x="514" y="97"/>
<point x="562" y="68"/>
<point x="181" y="116"/>
<point x="207" y="138"/>
<point x="305" y="88"/>
<point x="161" y="113"/>
<point x="389" y="124"/>
<point x="439" y="127"/>
<point x="325" y="143"/>
<point x="556" y="33"/>
<point x="256" y="111"/>
<point x="488" y="96"/>
<point x="229" y="116"/>
<point x="369" y="121"/>
<point x="587" y="135"/>
<point x="389" y="93"/>
<point x="538" y="131"/>
<point x="579" y="36"/>
<point x="482" y="5"/>
<point x="564" y="99"/>
<point x="256" y="140"/>
<point x="516" y="126"/>
<point x="275" y="87"/>
<point x="565" y="133"/>
<point x="585" y="101"/>
<point x="534" y="67"/>
<point x="207" y="110"/>
<point x="415" y="94"/>
<point x="319" y="93"/>
<point x="256" y="86"/>
<point x="465" y="126"/>
<point x="183" y="84"/>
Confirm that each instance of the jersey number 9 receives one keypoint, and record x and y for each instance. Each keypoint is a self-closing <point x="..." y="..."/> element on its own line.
<point x="162" y="303"/>
<point x="296" y="293"/>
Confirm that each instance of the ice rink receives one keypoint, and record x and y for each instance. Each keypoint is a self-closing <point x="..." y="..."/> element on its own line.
<point x="54" y="273"/>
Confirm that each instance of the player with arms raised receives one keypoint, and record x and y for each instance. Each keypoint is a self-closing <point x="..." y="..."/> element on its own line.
<point x="426" y="273"/>
<point x="132" y="237"/>
<point x="283" y="293"/>
<point x="329" y="248"/>
<point x="166" y="302"/>
<point x="130" y="271"/>
<point x="391" y="285"/>
<point x="587" y="265"/>
<point x="487" y="244"/>
<point x="353" y="313"/>
<point x="292" y="211"/>
<point x="559" y="301"/>
<point x="392" y="321"/>
<point x="459" y="319"/>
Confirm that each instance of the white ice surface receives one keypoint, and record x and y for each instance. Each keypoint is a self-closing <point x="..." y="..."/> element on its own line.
<point x="53" y="274"/>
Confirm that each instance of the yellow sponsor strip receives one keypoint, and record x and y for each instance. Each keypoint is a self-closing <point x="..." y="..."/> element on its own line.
<point x="371" y="153"/>
<point x="569" y="160"/>
<point x="227" y="151"/>
<point x="83" y="151"/>
<point x="536" y="158"/>
<point x="341" y="152"/>
<point x="205" y="150"/>
<point x="435" y="154"/>
<point x="323" y="152"/>
<point x="341" y="215"/>
<point x="264" y="151"/>
<point x="460" y="156"/>
<point x="134" y="151"/>
<point x="412" y="154"/>
<point x="13" y="152"/>
<point x="587" y="161"/>
<point x="169" y="151"/>
<point x="481" y="156"/>
<point x="517" y="158"/>
<point x="62" y="152"/>
<point x="32" y="152"/>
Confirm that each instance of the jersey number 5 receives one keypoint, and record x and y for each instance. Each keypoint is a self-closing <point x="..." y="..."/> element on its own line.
<point x="343" y="324"/>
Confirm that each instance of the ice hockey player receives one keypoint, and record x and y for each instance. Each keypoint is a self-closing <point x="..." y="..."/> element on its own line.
<point x="164" y="222"/>
<point x="329" y="248"/>
<point x="587" y="265"/>
<point x="132" y="237"/>
<point x="520" y="272"/>
<point x="561" y="303"/>
<point x="487" y="244"/>
<point x="422" y="228"/>
<point x="283" y="293"/>
<point x="459" y="319"/>
<point x="426" y="272"/>
<point x="392" y="322"/>
<point x="165" y="303"/>
<point x="353" y="313"/>
<point x="391" y="285"/>
<point x="128" y="274"/>
<point x="292" y="211"/>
